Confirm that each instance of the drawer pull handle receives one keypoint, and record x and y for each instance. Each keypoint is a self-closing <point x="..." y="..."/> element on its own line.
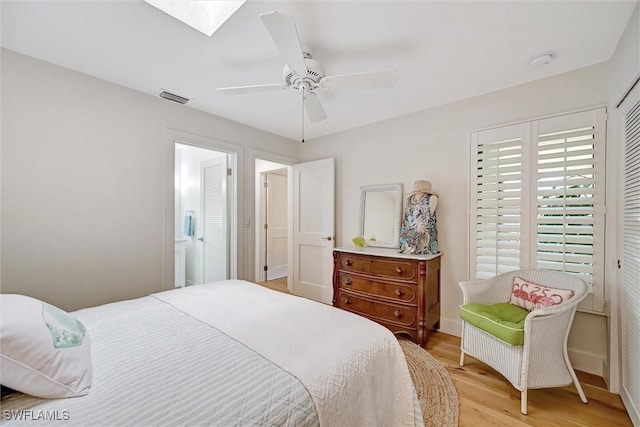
<point x="399" y="270"/>
<point x="399" y="292"/>
<point x="347" y="300"/>
<point x="348" y="262"/>
<point x="398" y="314"/>
<point x="348" y="281"/>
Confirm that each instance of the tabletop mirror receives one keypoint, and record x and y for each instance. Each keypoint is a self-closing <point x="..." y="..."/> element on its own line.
<point x="380" y="214"/>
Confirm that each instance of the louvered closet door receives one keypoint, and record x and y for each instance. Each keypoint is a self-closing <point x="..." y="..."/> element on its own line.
<point x="631" y="261"/>
<point x="215" y="219"/>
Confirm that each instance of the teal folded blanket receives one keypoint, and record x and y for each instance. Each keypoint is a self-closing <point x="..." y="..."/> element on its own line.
<point x="189" y="224"/>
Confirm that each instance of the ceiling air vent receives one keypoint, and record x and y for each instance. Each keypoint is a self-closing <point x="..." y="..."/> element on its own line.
<point x="173" y="97"/>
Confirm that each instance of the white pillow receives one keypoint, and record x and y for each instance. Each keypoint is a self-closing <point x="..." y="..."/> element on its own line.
<point x="44" y="351"/>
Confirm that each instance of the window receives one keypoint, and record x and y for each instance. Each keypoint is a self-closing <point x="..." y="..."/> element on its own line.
<point x="537" y="198"/>
<point x="204" y="16"/>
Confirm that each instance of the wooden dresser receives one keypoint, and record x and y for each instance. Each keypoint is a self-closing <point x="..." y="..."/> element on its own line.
<point x="401" y="292"/>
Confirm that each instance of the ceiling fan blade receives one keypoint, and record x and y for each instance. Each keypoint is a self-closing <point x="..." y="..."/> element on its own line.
<point x="252" y="89"/>
<point x="284" y="33"/>
<point x="370" y="80"/>
<point x="314" y="109"/>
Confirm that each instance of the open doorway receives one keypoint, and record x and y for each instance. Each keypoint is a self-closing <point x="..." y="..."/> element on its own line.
<point x="204" y="214"/>
<point x="310" y="219"/>
<point x="273" y="224"/>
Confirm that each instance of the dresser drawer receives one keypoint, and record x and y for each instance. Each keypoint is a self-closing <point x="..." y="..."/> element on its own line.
<point x="384" y="267"/>
<point x="400" y="292"/>
<point x="376" y="310"/>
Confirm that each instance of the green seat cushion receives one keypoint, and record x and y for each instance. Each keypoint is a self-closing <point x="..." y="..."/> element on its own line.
<point x="503" y="321"/>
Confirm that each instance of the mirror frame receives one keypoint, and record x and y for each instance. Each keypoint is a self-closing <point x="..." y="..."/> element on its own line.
<point x="397" y="193"/>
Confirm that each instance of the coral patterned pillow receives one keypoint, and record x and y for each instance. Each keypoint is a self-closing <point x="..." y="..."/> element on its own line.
<point x="531" y="295"/>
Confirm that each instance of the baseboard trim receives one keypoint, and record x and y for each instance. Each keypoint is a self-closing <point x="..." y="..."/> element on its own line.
<point x="586" y="362"/>
<point x="450" y="326"/>
<point x="278" y="272"/>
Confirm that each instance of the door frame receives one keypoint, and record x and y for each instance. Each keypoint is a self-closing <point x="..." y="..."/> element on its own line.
<point x="262" y="237"/>
<point x="171" y="137"/>
<point x="262" y="244"/>
<point x="252" y="247"/>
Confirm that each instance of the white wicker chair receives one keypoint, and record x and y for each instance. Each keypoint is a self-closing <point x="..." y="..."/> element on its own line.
<point x="542" y="361"/>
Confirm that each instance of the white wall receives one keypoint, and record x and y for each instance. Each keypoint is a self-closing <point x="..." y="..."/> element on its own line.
<point x="83" y="193"/>
<point x="434" y="145"/>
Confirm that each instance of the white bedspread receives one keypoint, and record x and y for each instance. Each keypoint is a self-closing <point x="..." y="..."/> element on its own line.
<point x="155" y="366"/>
<point x="353" y="368"/>
<point x="231" y="353"/>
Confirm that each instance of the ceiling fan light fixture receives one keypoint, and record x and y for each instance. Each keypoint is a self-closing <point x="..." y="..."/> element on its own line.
<point x="315" y="72"/>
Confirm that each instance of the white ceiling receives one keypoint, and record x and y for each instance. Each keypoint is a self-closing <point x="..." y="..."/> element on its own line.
<point x="444" y="51"/>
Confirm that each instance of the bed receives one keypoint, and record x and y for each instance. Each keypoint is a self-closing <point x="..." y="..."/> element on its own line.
<point x="231" y="353"/>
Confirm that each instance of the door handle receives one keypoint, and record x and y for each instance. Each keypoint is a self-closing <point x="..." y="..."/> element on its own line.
<point x="327" y="238"/>
<point x="201" y="239"/>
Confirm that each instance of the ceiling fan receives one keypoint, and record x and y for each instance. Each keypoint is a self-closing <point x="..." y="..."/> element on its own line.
<point x="306" y="75"/>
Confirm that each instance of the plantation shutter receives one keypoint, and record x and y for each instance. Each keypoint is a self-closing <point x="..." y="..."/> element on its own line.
<point x="537" y="199"/>
<point x="570" y="195"/>
<point x="631" y="262"/>
<point x="497" y="200"/>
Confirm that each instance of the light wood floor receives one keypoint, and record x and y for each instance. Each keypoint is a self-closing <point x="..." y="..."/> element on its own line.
<point x="487" y="399"/>
<point x="276" y="284"/>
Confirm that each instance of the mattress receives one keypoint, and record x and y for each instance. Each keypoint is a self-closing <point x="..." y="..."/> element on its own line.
<point x="231" y="353"/>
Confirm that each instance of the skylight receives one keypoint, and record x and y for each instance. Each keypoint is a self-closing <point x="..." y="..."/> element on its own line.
<point x="205" y="16"/>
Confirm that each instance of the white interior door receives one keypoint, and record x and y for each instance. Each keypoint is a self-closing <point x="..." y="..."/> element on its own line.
<point x="215" y="233"/>
<point x="277" y="221"/>
<point x="313" y="229"/>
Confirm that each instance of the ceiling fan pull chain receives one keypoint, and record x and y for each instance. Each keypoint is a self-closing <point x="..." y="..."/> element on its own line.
<point x="302" y="109"/>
